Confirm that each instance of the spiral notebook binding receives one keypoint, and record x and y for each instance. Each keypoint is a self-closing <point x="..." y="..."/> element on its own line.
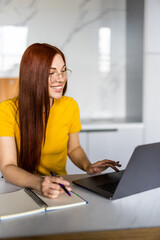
<point x="34" y="196"/>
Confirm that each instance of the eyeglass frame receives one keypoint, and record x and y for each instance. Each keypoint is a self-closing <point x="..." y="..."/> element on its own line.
<point x="56" y="74"/>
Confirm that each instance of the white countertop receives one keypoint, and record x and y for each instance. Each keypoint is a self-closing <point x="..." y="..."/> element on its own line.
<point x="137" y="211"/>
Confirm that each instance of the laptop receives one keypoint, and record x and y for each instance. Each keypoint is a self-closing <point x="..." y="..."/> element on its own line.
<point x="141" y="174"/>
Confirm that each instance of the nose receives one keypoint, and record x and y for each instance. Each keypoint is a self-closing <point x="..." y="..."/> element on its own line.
<point x="60" y="78"/>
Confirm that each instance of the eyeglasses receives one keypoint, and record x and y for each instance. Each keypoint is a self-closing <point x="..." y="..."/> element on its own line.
<point x="65" y="74"/>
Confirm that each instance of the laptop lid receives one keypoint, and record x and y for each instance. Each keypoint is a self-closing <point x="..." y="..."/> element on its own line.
<point x="141" y="174"/>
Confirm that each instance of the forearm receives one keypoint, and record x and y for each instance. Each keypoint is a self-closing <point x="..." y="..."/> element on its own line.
<point x="79" y="158"/>
<point x="22" y="178"/>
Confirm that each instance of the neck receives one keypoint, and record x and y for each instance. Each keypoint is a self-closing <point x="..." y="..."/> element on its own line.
<point x="51" y="102"/>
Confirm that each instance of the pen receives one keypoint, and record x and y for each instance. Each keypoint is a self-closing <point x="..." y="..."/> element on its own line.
<point x="62" y="186"/>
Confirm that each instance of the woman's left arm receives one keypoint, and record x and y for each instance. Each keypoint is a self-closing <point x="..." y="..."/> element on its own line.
<point x="80" y="159"/>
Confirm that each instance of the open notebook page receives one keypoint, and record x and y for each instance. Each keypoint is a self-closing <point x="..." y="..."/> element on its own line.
<point x="16" y="204"/>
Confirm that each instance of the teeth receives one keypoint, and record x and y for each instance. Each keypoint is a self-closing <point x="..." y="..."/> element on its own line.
<point x="57" y="87"/>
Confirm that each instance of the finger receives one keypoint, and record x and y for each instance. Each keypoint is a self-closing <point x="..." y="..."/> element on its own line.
<point x="55" y="192"/>
<point x="52" y="193"/>
<point x="97" y="164"/>
<point x="51" y="196"/>
<point x="113" y="167"/>
<point x="117" y="164"/>
<point x="108" y="161"/>
<point x="113" y="163"/>
<point x="102" y="163"/>
<point x="116" y="169"/>
<point x="60" y="180"/>
<point x="49" y="185"/>
<point x="53" y="189"/>
<point x="55" y="186"/>
<point x="101" y="169"/>
<point x="69" y="188"/>
<point x="58" y="187"/>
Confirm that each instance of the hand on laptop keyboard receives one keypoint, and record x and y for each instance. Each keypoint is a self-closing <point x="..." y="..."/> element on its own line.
<point x="100" y="166"/>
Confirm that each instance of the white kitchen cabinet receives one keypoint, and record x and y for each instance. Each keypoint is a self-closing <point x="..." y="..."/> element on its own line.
<point x="115" y="142"/>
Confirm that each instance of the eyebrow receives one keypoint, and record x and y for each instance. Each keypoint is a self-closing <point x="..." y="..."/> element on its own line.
<point x="56" y="68"/>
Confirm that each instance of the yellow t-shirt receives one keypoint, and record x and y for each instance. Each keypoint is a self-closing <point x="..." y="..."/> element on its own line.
<point x="64" y="119"/>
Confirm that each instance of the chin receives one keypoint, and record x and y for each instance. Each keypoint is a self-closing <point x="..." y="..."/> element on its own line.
<point x="58" y="97"/>
<point x="55" y="96"/>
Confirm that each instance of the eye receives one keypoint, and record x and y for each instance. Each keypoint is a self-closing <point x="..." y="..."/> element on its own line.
<point x="64" y="70"/>
<point x="53" y="73"/>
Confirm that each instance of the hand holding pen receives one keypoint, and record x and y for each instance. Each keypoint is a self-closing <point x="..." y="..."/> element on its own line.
<point x="61" y="185"/>
<point x="51" y="187"/>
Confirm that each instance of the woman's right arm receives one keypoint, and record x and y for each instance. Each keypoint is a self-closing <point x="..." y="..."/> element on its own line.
<point x="18" y="176"/>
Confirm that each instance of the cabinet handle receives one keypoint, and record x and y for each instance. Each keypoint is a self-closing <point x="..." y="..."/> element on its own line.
<point x="100" y="130"/>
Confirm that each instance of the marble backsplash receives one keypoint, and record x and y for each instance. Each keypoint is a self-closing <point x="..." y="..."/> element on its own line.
<point x="92" y="35"/>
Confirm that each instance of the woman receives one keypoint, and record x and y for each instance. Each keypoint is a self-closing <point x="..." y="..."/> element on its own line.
<point x="41" y="126"/>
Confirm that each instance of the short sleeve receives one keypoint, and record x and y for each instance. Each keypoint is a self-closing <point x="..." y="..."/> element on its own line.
<point x="6" y="120"/>
<point x="75" y="125"/>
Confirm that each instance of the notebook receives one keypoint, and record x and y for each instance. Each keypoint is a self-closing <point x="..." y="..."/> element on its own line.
<point x="26" y="201"/>
<point x="141" y="174"/>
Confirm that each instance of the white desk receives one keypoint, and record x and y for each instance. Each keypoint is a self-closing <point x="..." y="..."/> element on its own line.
<point x="137" y="211"/>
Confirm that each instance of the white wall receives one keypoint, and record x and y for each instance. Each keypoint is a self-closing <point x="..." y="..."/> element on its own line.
<point x="152" y="71"/>
<point x="73" y="26"/>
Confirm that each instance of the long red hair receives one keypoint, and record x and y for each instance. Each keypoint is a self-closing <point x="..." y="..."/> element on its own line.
<point x="34" y="102"/>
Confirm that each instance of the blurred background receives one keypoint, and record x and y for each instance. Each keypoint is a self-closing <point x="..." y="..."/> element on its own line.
<point x="113" y="50"/>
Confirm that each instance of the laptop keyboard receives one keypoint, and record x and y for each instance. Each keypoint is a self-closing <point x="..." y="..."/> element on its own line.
<point x="109" y="187"/>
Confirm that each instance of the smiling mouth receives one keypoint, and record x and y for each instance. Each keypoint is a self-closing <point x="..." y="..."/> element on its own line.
<point x="57" y="88"/>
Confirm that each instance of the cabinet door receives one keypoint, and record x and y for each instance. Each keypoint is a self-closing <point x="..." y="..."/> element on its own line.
<point x="114" y="145"/>
<point x="117" y="145"/>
